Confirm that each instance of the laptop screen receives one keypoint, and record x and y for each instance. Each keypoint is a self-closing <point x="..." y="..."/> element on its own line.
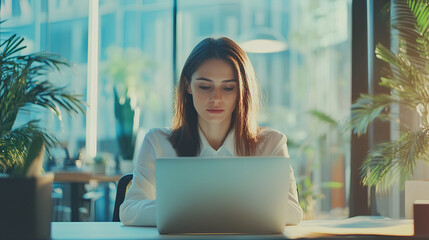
<point x="222" y="195"/>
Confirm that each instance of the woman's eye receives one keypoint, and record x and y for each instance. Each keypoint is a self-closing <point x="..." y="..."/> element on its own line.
<point x="204" y="87"/>
<point x="228" y="88"/>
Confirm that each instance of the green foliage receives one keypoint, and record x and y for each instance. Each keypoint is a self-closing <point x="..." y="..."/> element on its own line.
<point x="99" y="159"/>
<point x="125" y="69"/>
<point x="323" y="117"/>
<point x="367" y="108"/>
<point x="24" y="84"/>
<point x="307" y="193"/>
<point x="124" y="114"/>
<point x="36" y="146"/>
<point x="408" y="80"/>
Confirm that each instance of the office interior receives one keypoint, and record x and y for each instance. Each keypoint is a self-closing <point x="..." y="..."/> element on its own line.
<point x="127" y="55"/>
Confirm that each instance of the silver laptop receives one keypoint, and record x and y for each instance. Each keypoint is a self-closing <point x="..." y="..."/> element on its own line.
<point x="222" y="195"/>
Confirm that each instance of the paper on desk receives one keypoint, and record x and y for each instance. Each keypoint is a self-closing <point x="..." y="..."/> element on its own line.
<point x="361" y="225"/>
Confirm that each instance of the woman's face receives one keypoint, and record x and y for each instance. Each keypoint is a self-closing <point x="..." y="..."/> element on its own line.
<point x="214" y="90"/>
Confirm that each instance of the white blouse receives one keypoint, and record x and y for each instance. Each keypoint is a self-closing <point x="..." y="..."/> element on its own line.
<point x="139" y="206"/>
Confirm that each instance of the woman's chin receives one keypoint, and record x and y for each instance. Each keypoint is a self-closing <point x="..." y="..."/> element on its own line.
<point x="217" y="120"/>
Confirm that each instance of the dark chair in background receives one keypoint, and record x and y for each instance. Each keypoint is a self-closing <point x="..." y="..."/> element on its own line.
<point x="121" y="190"/>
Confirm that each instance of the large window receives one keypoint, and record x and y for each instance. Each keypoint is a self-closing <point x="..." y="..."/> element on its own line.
<point x="305" y="82"/>
<point x="136" y="79"/>
<point x="311" y="74"/>
<point x="60" y="27"/>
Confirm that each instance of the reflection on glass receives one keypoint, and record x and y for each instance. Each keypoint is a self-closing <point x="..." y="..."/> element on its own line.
<point x="310" y="71"/>
<point x="54" y="26"/>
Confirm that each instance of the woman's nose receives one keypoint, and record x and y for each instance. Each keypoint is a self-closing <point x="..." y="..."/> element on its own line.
<point x="216" y="95"/>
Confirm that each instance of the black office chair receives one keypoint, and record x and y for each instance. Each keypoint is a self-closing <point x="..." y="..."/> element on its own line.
<point x="121" y="189"/>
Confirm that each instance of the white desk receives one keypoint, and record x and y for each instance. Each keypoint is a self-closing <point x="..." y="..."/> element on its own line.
<point x="354" y="228"/>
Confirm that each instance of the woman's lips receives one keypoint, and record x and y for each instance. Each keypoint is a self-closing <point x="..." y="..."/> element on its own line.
<point x="215" y="111"/>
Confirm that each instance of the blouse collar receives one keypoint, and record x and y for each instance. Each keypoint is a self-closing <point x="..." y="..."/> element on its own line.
<point x="227" y="148"/>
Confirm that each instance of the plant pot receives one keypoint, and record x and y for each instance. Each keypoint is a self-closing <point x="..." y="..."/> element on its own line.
<point x="310" y="211"/>
<point x="26" y="207"/>
<point x="99" y="168"/>
<point x="415" y="190"/>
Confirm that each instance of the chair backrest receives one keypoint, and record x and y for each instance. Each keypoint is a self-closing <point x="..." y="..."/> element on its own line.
<point x="121" y="189"/>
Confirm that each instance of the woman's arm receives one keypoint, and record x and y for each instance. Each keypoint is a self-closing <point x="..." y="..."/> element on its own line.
<point x="293" y="210"/>
<point x="139" y="206"/>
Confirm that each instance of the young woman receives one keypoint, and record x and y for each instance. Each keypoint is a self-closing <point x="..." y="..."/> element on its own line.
<point x="215" y="115"/>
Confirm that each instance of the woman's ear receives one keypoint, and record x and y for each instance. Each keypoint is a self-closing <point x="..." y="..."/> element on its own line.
<point x="188" y="87"/>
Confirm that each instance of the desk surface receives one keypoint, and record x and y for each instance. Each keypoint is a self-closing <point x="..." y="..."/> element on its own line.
<point x="77" y="180"/>
<point x="356" y="228"/>
<point x="83" y="177"/>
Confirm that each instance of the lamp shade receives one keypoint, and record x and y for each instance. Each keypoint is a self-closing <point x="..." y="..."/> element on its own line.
<point x="264" y="40"/>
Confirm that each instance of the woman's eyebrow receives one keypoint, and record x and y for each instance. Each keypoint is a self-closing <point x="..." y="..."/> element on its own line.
<point x="209" y="80"/>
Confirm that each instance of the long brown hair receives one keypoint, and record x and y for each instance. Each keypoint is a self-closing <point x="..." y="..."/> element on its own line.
<point x="185" y="137"/>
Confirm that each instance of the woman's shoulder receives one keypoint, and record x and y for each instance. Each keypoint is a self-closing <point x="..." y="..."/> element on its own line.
<point x="154" y="133"/>
<point x="158" y="139"/>
<point x="270" y="142"/>
<point x="270" y="134"/>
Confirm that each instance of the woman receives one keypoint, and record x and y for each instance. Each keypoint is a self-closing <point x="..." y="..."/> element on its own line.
<point x="215" y="115"/>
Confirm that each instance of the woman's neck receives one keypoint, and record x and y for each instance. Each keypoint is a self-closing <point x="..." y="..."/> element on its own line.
<point x="215" y="134"/>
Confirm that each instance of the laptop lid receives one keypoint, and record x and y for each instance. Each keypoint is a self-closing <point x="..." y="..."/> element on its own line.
<point x="222" y="195"/>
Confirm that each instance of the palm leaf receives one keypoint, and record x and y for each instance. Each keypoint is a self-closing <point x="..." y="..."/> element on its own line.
<point x="321" y="116"/>
<point x="21" y="85"/>
<point x="36" y="146"/>
<point x="24" y="84"/>
<point x="420" y="10"/>
<point x="13" y="146"/>
<point x="411" y="27"/>
<point x="408" y="80"/>
<point x="396" y="157"/>
<point x="405" y="81"/>
<point x="12" y="45"/>
<point x="368" y="108"/>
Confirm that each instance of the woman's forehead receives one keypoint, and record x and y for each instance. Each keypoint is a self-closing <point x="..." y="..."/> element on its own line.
<point x="213" y="69"/>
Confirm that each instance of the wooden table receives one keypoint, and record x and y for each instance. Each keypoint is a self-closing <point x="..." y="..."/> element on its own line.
<point x="352" y="228"/>
<point x="77" y="179"/>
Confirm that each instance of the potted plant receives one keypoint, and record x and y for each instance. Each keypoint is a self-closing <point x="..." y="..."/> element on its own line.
<point x="101" y="163"/>
<point x="26" y="202"/>
<point x="25" y="198"/>
<point x="307" y="189"/>
<point x="408" y="82"/>
<point x="124" y="69"/>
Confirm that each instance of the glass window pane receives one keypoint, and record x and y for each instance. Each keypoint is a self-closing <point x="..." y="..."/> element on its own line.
<point x="310" y="71"/>
<point x="136" y="63"/>
<point x="59" y="27"/>
<point x="306" y="81"/>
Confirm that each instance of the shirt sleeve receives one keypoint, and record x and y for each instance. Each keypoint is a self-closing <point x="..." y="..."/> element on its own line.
<point x="293" y="210"/>
<point x="139" y="206"/>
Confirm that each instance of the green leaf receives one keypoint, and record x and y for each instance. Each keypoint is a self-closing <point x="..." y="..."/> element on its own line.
<point x="420" y="10"/>
<point x="397" y="157"/>
<point x="332" y="185"/>
<point x="23" y="85"/>
<point x="37" y="143"/>
<point x="407" y="77"/>
<point x="324" y="117"/>
<point x="368" y="108"/>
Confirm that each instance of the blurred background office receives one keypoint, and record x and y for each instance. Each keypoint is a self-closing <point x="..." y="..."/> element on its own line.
<point x="301" y="51"/>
